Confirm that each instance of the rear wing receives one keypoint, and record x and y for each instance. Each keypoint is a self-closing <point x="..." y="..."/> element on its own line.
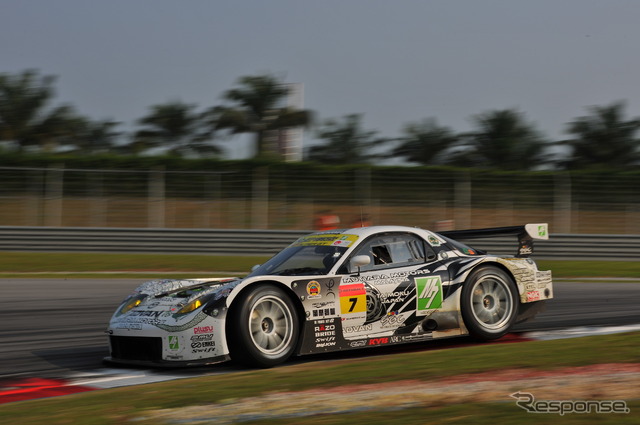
<point x="526" y="234"/>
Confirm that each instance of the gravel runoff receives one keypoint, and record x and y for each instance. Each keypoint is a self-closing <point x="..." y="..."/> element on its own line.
<point x="594" y="383"/>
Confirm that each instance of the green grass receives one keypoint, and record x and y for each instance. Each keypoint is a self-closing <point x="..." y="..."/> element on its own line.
<point x="618" y="269"/>
<point x="82" y="262"/>
<point x="83" y="265"/>
<point x="121" y="405"/>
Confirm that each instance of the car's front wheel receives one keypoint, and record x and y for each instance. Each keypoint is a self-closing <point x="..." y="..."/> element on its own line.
<point x="264" y="327"/>
<point x="489" y="303"/>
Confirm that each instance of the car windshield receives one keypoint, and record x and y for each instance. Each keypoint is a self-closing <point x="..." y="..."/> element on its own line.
<point x="310" y="255"/>
<point x="301" y="260"/>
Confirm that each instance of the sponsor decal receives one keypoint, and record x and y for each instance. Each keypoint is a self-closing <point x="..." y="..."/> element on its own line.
<point x="202" y="330"/>
<point x="322" y="309"/>
<point x="392" y="320"/>
<point x="154" y="314"/>
<point x="533" y="296"/>
<point x="330" y="284"/>
<point x="174" y="357"/>
<point x="204" y="350"/>
<point x="429" y="290"/>
<point x="313" y="289"/>
<point x="378" y="341"/>
<point x="542" y="231"/>
<point x="203" y="337"/>
<point x="174" y="343"/>
<point x="415" y="338"/>
<point x="360" y="343"/>
<point x="324" y="332"/>
<point x="357" y="329"/>
<point x="433" y="241"/>
<point x="145" y="321"/>
<point x="322" y="312"/>
<point x="396" y="296"/>
<point x="326" y="239"/>
<point x="203" y="344"/>
<point x="525" y="250"/>
<point x="134" y="326"/>
<point x="345" y="240"/>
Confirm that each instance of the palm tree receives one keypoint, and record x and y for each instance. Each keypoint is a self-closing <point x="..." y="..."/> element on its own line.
<point x="503" y="140"/>
<point x="425" y="142"/>
<point x="347" y="142"/>
<point x="176" y="127"/>
<point x="257" y="109"/>
<point x="24" y="119"/>
<point x="604" y="138"/>
<point x="92" y="136"/>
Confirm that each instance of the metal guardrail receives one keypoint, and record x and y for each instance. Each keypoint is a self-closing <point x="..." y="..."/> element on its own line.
<point x="269" y="242"/>
<point x="137" y="240"/>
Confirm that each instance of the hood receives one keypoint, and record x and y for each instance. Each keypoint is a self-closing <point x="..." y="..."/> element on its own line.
<point x="170" y="296"/>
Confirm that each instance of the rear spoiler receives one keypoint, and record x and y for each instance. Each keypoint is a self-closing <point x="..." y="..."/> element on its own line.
<point x="526" y="234"/>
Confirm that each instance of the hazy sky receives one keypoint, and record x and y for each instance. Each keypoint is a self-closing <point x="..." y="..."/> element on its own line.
<point x="394" y="61"/>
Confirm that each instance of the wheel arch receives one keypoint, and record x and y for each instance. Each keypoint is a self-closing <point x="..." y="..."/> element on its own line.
<point x="475" y="325"/>
<point x="501" y="266"/>
<point x="234" y="303"/>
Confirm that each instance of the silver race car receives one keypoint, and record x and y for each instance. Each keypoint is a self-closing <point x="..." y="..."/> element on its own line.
<point x="335" y="290"/>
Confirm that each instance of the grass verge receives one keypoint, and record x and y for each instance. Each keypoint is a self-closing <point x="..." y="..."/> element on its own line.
<point x="121" y="405"/>
<point x="85" y="265"/>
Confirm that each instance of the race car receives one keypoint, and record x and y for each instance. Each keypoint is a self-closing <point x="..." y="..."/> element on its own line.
<point x="335" y="290"/>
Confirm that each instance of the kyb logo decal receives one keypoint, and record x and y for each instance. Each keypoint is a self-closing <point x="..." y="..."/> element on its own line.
<point x="429" y="290"/>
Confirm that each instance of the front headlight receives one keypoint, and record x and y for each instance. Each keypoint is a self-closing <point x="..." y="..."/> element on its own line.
<point x="193" y="305"/>
<point x="131" y="302"/>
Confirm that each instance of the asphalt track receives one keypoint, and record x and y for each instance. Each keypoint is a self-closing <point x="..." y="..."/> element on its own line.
<point x="54" y="328"/>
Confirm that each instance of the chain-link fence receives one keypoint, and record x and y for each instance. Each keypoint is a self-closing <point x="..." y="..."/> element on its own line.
<point x="289" y="198"/>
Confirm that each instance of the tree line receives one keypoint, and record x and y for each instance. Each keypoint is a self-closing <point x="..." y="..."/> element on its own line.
<point x="500" y="139"/>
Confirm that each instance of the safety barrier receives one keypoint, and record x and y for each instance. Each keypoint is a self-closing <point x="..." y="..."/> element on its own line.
<point x="269" y="242"/>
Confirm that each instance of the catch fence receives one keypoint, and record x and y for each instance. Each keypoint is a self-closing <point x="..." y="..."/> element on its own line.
<point x="288" y="198"/>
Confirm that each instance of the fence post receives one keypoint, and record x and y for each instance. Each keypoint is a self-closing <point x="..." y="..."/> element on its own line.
<point x="363" y="194"/>
<point x="53" y="195"/>
<point x="156" y="198"/>
<point x="34" y="213"/>
<point x="98" y="199"/>
<point x="260" y="198"/>
<point x="462" y="201"/>
<point x="562" y="203"/>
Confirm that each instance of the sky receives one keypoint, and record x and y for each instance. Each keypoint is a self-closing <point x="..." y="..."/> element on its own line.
<point x="394" y="62"/>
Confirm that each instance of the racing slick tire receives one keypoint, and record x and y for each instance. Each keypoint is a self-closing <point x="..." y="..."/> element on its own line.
<point x="489" y="303"/>
<point x="265" y="327"/>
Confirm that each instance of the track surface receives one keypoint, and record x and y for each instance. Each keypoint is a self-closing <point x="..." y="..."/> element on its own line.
<point x="55" y="327"/>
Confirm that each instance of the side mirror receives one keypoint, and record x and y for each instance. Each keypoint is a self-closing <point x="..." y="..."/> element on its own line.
<point x="254" y="268"/>
<point x="357" y="262"/>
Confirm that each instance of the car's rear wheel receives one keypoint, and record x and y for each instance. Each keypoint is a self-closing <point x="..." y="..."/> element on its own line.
<point x="489" y="303"/>
<point x="264" y="327"/>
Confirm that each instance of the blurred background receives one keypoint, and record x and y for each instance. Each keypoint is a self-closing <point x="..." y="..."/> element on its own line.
<point x="420" y="113"/>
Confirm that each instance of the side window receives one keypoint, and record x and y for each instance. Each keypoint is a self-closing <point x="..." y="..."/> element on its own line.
<point x="380" y="254"/>
<point x="395" y="250"/>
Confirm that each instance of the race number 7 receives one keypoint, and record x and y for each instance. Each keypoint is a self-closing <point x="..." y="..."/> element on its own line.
<point x="353" y="298"/>
<point x="353" y="302"/>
